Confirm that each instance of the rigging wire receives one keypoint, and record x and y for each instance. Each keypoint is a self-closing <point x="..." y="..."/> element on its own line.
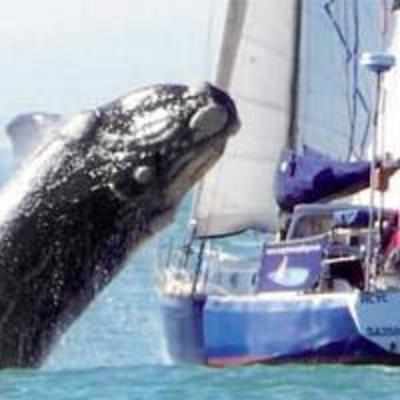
<point x="384" y="21"/>
<point x="210" y="73"/>
<point x="356" y="91"/>
<point x="347" y="69"/>
<point x="328" y="7"/>
<point x="210" y="43"/>
<point x="354" y="96"/>
<point x="364" y="138"/>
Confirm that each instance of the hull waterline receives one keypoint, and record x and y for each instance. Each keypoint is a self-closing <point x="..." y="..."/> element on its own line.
<point x="348" y="328"/>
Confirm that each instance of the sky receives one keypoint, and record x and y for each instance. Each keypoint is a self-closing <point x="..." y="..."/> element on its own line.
<point x="65" y="56"/>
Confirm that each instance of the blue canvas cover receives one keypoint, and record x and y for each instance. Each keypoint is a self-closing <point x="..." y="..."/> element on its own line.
<point x="291" y="266"/>
<point x="352" y="218"/>
<point x="311" y="177"/>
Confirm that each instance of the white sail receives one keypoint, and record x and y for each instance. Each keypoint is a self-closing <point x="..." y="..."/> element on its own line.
<point x="291" y="72"/>
<point x="256" y="66"/>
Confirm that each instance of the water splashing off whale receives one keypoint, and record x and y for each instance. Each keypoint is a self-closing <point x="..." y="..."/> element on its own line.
<point x="98" y="185"/>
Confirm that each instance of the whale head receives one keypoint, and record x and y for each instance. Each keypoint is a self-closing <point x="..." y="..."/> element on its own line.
<point x="98" y="185"/>
<point x="147" y="148"/>
<point x="160" y="141"/>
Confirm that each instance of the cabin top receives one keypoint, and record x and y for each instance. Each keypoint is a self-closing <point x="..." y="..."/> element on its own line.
<point x="315" y="219"/>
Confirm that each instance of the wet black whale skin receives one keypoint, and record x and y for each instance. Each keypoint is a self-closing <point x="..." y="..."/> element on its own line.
<point x="75" y="213"/>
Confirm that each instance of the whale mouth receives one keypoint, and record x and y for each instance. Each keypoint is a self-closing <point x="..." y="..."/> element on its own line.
<point x="192" y="167"/>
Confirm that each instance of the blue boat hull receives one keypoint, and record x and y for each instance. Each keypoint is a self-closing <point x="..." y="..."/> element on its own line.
<point x="183" y="325"/>
<point x="228" y="331"/>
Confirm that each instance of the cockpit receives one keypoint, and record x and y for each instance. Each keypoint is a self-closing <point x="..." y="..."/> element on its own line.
<point x="343" y="233"/>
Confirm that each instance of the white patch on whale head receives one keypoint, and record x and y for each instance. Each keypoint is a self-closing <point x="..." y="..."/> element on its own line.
<point x="133" y="100"/>
<point x="152" y="125"/>
<point x="208" y="120"/>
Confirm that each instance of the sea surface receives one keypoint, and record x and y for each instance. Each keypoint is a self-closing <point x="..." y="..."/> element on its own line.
<point x="116" y="351"/>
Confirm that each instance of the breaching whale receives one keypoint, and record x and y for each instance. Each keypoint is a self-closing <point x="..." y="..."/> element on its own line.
<point x="93" y="190"/>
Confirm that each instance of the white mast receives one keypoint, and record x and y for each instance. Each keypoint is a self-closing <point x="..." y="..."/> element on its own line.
<point x="378" y="63"/>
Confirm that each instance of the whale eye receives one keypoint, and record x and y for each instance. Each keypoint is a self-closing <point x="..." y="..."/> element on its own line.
<point x="143" y="174"/>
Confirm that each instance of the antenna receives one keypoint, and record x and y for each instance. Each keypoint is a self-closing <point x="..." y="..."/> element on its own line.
<point x="379" y="64"/>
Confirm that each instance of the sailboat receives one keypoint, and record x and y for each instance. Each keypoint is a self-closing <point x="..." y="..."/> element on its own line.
<point x="322" y="281"/>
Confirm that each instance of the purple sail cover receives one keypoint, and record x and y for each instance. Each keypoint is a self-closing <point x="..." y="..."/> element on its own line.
<point x="311" y="177"/>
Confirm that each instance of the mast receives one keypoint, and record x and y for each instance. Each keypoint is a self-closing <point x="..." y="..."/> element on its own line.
<point x="378" y="63"/>
<point x="222" y="75"/>
<point x="292" y="135"/>
<point x="390" y="118"/>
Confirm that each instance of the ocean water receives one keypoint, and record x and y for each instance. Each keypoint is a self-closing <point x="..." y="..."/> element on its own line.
<point x="173" y="382"/>
<point x="116" y="351"/>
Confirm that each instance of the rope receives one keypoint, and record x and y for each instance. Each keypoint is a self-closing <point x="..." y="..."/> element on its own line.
<point x="328" y="9"/>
